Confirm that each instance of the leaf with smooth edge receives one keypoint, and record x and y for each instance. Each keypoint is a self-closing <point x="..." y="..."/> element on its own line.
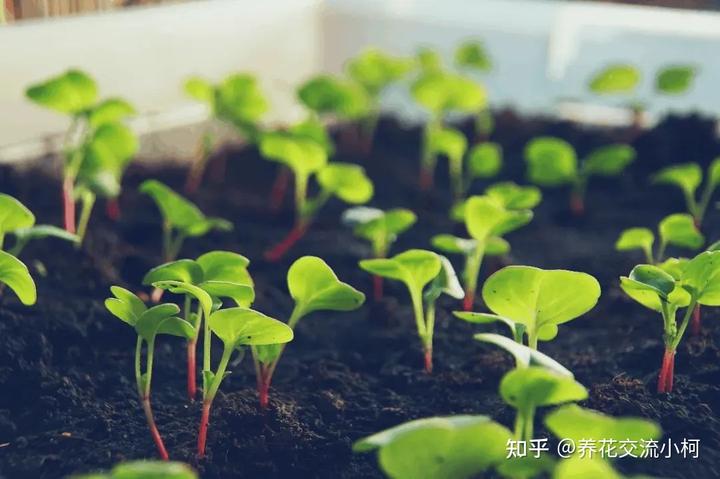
<point x="148" y="324"/>
<point x="72" y="92"/>
<point x="635" y="238"/>
<point x="701" y="278"/>
<point x="313" y="129"/>
<point x="239" y="99"/>
<point x="346" y="181"/>
<point x="446" y="282"/>
<point x="15" y="274"/>
<point x="536" y="386"/>
<point x="177" y="327"/>
<point x="268" y="353"/>
<point x="175" y="209"/>
<point x="679" y="230"/>
<point x="14" y="215"/>
<point x="615" y="79"/>
<point x="535" y="297"/>
<point x="225" y="266"/>
<point x="126" y="306"/>
<point x="453" y="245"/>
<point x="314" y="286"/>
<point x="448" y="142"/>
<point x="441" y="93"/>
<point x="686" y="176"/>
<point x="456" y="447"/>
<point x="551" y="161"/>
<point x="484" y="318"/>
<point x="200" y="89"/>
<point x="152" y="470"/>
<point x="524" y="356"/>
<point x="485" y="216"/>
<point x="650" y="285"/>
<point x="514" y="196"/>
<point x="428" y="60"/>
<point x="415" y="268"/>
<point x="609" y="160"/>
<point x="325" y="94"/>
<point x="496" y="246"/>
<point x="376" y="225"/>
<point x="484" y="160"/>
<point x="44" y="231"/>
<point x="111" y="110"/>
<point x="242" y="326"/>
<point x="242" y="294"/>
<point x="183" y="270"/>
<point x="713" y="173"/>
<point x="375" y="69"/>
<point x="179" y="287"/>
<point x="674" y="267"/>
<point x="472" y="54"/>
<point x="676" y="79"/>
<point x="302" y="155"/>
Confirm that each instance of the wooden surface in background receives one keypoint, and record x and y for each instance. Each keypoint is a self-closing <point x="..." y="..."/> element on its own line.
<point x="16" y="10"/>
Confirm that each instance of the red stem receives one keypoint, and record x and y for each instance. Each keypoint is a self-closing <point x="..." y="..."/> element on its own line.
<point x="191" y="367"/>
<point x="112" y="209"/>
<point x="577" y="204"/>
<point x="469" y="300"/>
<point x="280" y="249"/>
<point x="69" y="205"/>
<point x="428" y="361"/>
<point x="377" y="288"/>
<point x="156" y="295"/>
<point x="695" y="325"/>
<point x="202" y="434"/>
<point x="279" y="188"/>
<point x="263" y="386"/>
<point x="667" y="372"/>
<point x="153" y="429"/>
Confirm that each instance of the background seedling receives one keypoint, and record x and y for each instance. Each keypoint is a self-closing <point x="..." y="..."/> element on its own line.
<point x="381" y="229"/>
<point x="148" y="323"/>
<point x="452" y="144"/>
<point x="314" y="287"/>
<point x="97" y="146"/>
<point x="675" y="230"/>
<point x="675" y="79"/>
<point x="472" y="56"/>
<point x="553" y="162"/>
<point x="237" y="100"/>
<point x="484" y="161"/>
<point x="16" y="276"/>
<point x="330" y="97"/>
<point x="144" y="470"/>
<point x="427" y="275"/>
<point x="619" y="79"/>
<point x="688" y="177"/>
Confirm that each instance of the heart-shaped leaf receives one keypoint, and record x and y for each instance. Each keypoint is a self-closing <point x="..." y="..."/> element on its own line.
<point x="302" y="155"/>
<point x="126" y="306"/>
<point x="72" y="92"/>
<point x="636" y="238"/>
<point x="513" y="196"/>
<point x="239" y="99"/>
<point x="551" y="161"/>
<point x="651" y="286"/>
<point x="679" y="230"/>
<point x="111" y="110"/>
<point x="242" y="326"/>
<point x="152" y="470"/>
<point x="441" y="92"/>
<point x="414" y="267"/>
<point x="448" y="142"/>
<point x="15" y="274"/>
<point x="485" y="216"/>
<point x="225" y="266"/>
<point x="701" y="278"/>
<point x="534" y="386"/>
<point x="378" y="226"/>
<point x="686" y="176"/>
<point x="182" y="270"/>
<point x="484" y="160"/>
<point x="375" y="70"/>
<point x="314" y="286"/>
<point x="149" y="323"/>
<point x="346" y="181"/>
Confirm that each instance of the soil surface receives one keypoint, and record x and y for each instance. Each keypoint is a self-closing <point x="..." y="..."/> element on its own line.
<point x="68" y="401"/>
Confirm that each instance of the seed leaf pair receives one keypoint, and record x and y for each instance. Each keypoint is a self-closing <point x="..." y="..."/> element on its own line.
<point x="678" y="230"/>
<point x="688" y="177"/>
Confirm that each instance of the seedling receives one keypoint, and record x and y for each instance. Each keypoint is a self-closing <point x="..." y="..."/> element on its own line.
<point x="510" y="195"/>
<point x="236" y="328"/>
<point x="620" y="80"/>
<point x="331" y="97"/>
<point x="452" y="144"/>
<point x="688" y="177"/>
<point x="553" y="162"/>
<point x="381" y="229"/>
<point x="148" y="323"/>
<point x="97" y="146"/>
<point x="533" y="302"/>
<point x="236" y="100"/>
<point x="472" y="56"/>
<point x="428" y="60"/>
<point x="675" y="79"/>
<point x="314" y="287"/>
<point x="16" y="276"/>
<point x="427" y="275"/>
<point x="698" y="283"/>
<point x="487" y="220"/>
<point x="144" y="470"/>
<point x="214" y="276"/>
<point x="181" y="218"/>
<point x="675" y="230"/>
<point x="306" y="158"/>
<point x="484" y="161"/>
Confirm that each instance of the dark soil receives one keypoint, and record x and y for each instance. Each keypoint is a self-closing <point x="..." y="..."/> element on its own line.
<point x="68" y="400"/>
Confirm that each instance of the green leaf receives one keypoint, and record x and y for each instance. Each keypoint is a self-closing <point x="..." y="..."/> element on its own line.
<point x="615" y="79"/>
<point x="679" y="230"/>
<point x="484" y="318"/>
<point x="313" y="129"/>
<point x="675" y="80"/>
<point x="302" y="155"/>
<point x="242" y="294"/>
<point x="713" y="173"/>
<point x="636" y="238"/>
<point x="536" y="386"/>
<point x="485" y="160"/>
<point x="441" y="93"/>
<point x="674" y="266"/>
<point x="43" y="231"/>
<point x="448" y="142"/>
<point x="446" y="282"/>
<point x="325" y="94"/>
<point x="314" y="287"/>
<point x="149" y="323"/>
<point x="428" y="60"/>
<point x="179" y="287"/>
<point x="455" y="447"/>
<point x="239" y="100"/>
<point x="266" y="354"/>
<point x="242" y="326"/>
<point x="609" y="160"/>
<point x="485" y="217"/>
<point x="686" y="176"/>
<point x="472" y="54"/>
<point x="524" y="356"/>
<point x="535" y="297"/>
<point x="551" y="161"/>
<point x="378" y="226"/>
<point x="496" y="246"/>
<point x="111" y="110"/>
<point x="15" y="274"/>
<point x="177" y="327"/>
<point x="200" y="89"/>
<point x="72" y="92"/>
<point x="346" y="181"/>
<point x="453" y="245"/>
<point x="375" y="69"/>
<point x="14" y="215"/>
<point x="225" y="266"/>
<point x="651" y="286"/>
<point x="513" y="196"/>
<point x="701" y="278"/>
<point x="152" y="470"/>
<point x="126" y="306"/>
<point x="415" y="268"/>
<point x="183" y="270"/>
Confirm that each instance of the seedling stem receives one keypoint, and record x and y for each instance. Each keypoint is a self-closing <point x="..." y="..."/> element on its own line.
<point x="143" y="386"/>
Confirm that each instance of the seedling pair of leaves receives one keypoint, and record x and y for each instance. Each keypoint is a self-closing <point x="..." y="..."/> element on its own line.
<point x="307" y="158"/>
<point x="688" y="284"/>
<point x="553" y="162"/>
<point x="426" y="275"/>
<point x="144" y="470"/>
<point x="237" y="100"/>
<point x="98" y="145"/>
<point x="688" y="177"/>
<point x="487" y="219"/>
<point x="677" y="230"/>
<point x="472" y="56"/>
<point x="313" y="287"/>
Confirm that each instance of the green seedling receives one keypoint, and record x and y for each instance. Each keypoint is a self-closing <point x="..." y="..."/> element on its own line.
<point x="236" y="328"/>
<point x="472" y="56"/>
<point x="452" y="144"/>
<point x="426" y="275"/>
<point x="457" y="447"/>
<point x="237" y="100"/>
<point x="677" y="230"/>
<point x="484" y="161"/>
<point x="553" y="162"/>
<point x="510" y="195"/>
<point x="487" y="220"/>
<point x="181" y="218"/>
<point x="306" y="158"/>
<point x="675" y="79"/>
<point x="148" y="323"/>
<point x="533" y="302"/>
<point x="428" y="60"/>
<point x="381" y="229"/>
<point x="214" y="276"/>
<point x="440" y="94"/>
<point x="97" y="146"/>
<point x="144" y="470"/>
<point x="330" y="97"/>
<point x="615" y="79"/>
<point x="696" y="282"/>
<point x="16" y="276"/>
<point x="687" y="177"/>
<point x="314" y="287"/>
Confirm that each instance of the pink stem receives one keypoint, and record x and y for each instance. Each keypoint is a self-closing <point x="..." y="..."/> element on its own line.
<point x="69" y="205"/>
<point x="280" y="249"/>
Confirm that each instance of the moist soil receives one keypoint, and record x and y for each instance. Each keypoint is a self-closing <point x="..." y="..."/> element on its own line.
<point x="68" y="401"/>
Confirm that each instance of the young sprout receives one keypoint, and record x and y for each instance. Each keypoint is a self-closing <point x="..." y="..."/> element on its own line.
<point x="675" y="79"/>
<point x="484" y="161"/>
<point x="181" y="218"/>
<point x="458" y="447"/>
<point x="236" y="100"/>
<point x="696" y="282"/>
<point x="687" y="177"/>
<point x="236" y="328"/>
<point x="452" y="144"/>
<point x="472" y="56"/>
<point x="675" y="230"/>
<point x="144" y="470"/>
<point x="553" y="162"/>
<point x="97" y="146"/>
<point x="314" y="287"/>
<point x="487" y="220"/>
<point x="148" y="323"/>
<point x="428" y="60"/>
<point x="619" y="80"/>
<point x="427" y="275"/>
<point x="533" y="302"/>
<point x="381" y="229"/>
<point x="214" y="276"/>
<point x="306" y="158"/>
<point x="16" y="276"/>
<point x="333" y="97"/>
<point x="510" y="195"/>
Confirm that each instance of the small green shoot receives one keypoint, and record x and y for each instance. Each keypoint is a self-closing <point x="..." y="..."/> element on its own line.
<point x="677" y="230"/>
<point x="615" y="79"/>
<point x="688" y="177"/>
<point x="16" y="276"/>
<point x="314" y="287"/>
<point x="675" y="79"/>
<point x="452" y="144"/>
<point x="144" y="470"/>
<point x="333" y="97"/>
<point x="473" y="57"/>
